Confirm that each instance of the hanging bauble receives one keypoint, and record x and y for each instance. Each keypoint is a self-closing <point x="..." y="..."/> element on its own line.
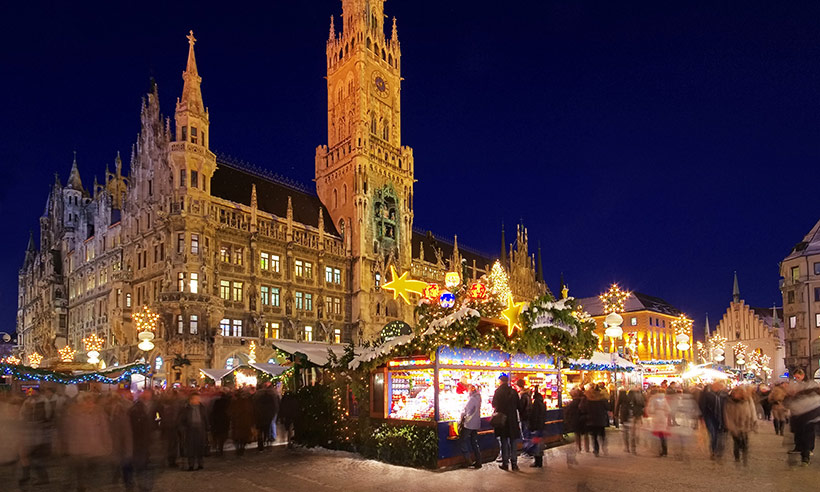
<point x="432" y="291"/>
<point x="478" y="291"/>
<point x="452" y="279"/>
<point x="447" y="300"/>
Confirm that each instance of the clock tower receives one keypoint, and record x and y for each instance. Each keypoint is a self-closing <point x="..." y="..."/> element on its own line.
<point x="364" y="175"/>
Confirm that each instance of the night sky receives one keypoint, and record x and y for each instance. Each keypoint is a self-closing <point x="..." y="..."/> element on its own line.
<point x="662" y="145"/>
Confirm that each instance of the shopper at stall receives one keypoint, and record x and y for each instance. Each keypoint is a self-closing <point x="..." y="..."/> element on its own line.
<point x="524" y="404"/>
<point x="505" y="422"/>
<point x="596" y="407"/>
<point x="470" y="425"/>
<point x="629" y="409"/>
<point x="537" y="424"/>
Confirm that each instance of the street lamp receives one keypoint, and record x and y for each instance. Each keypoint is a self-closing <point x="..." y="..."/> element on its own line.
<point x="146" y="321"/>
<point x="93" y="345"/>
<point x="683" y="330"/>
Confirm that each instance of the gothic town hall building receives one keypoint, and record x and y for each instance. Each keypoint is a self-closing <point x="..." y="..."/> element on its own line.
<point x="227" y="253"/>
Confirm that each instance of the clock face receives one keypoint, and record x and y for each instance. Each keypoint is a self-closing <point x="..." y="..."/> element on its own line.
<point x="381" y="85"/>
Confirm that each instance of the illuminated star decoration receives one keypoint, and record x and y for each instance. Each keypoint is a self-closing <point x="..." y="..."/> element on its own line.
<point x="12" y="360"/>
<point x="66" y="354"/>
<point x="512" y="314"/>
<point x="146" y="320"/>
<point x="614" y="299"/>
<point x="93" y="343"/>
<point x="401" y="285"/>
<point x="35" y="359"/>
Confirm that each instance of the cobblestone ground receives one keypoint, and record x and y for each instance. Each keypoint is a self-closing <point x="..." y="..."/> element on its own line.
<point x="320" y="470"/>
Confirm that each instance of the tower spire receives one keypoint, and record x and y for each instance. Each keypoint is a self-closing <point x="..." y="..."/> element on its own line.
<point x="540" y="277"/>
<point x="503" y="247"/>
<point x="736" y="290"/>
<point x="74" y="181"/>
<point x="706" y="329"/>
<point x="191" y="99"/>
<point x="332" y="33"/>
<point x="395" y="34"/>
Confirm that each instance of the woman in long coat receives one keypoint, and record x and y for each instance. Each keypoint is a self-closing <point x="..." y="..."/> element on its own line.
<point x="241" y="412"/>
<point x="194" y="425"/>
<point x="537" y="422"/>
<point x="505" y="401"/>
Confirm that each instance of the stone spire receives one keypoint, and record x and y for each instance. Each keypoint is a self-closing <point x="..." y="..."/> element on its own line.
<point x="775" y="321"/>
<point x="30" y="251"/>
<point x="74" y="181"/>
<point x="191" y="99"/>
<point x="540" y="276"/>
<point x="503" y="248"/>
<point x="395" y="35"/>
<point x="736" y="291"/>
<point x="706" y="329"/>
<point x="332" y="33"/>
<point x="254" y="203"/>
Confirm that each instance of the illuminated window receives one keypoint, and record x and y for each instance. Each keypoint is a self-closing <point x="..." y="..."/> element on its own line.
<point x="264" y="295"/>
<point x="633" y="321"/>
<point x="264" y="261"/>
<point x="337" y="305"/>
<point x="158" y="363"/>
<point x="274" y="263"/>
<point x="792" y="321"/>
<point x="795" y="274"/>
<point x="308" y="333"/>
<point x="181" y="282"/>
<point x="193" y="325"/>
<point x="274" y="296"/>
<point x="328" y="275"/>
<point x="194" y="244"/>
<point x="297" y="300"/>
<point x="299" y="268"/>
<point x="229" y="364"/>
<point x="194" y="283"/>
<point x="237" y="256"/>
<point x="128" y="300"/>
<point x="308" y="302"/>
<point x="817" y="319"/>
<point x="180" y="324"/>
<point x="328" y="305"/>
<point x="337" y="276"/>
<point x="817" y="268"/>
<point x="337" y="336"/>
<point x="237" y="328"/>
<point x="308" y="269"/>
<point x="180" y="242"/>
<point x="271" y="330"/>
<point x="225" y="254"/>
<point x="225" y="327"/>
<point x="378" y="280"/>
<point x="237" y="291"/>
<point x="193" y="139"/>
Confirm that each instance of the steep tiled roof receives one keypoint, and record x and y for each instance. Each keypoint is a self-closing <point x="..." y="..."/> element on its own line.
<point x="635" y="302"/>
<point x="810" y="245"/>
<point x="233" y="181"/>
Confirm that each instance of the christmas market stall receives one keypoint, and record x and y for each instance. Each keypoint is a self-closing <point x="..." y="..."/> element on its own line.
<point x="656" y="372"/>
<point x="469" y="335"/>
<point x="26" y="376"/>
<point x="599" y="368"/>
<point x="250" y="374"/>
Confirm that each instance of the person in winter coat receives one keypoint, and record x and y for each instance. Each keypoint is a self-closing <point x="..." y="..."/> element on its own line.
<point x="220" y="420"/>
<point x="89" y="439"/>
<point x="288" y="411"/>
<point x="629" y="410"/>
<point x="524" y="404"/>
<point x="713" y="401"/>
<point x="505" y="402"/>
<point x="537" y="424"/>
<point x="193" y="423"/>
<point x="804" y="408"/>
<point x="169" y="407"/>
<point x="779" y="411"/>
<point x="263" y="412"/>
<point x="142" y="425"/>
<point x="241" y="412"/>
<point x="471" y="424"/>
<point x="740" y="418"/>
<point x="659" y="414"/>
<point x="596" y="407"/>
<point x="574" y="423"/>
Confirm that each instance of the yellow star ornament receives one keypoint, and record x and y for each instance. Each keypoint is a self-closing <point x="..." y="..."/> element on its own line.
<point x="512" y="314"/>
<point x="401" y="285"/>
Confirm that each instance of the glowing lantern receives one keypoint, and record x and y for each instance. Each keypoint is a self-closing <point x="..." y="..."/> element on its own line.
<point x="93" y="345"/>
<point x="613" y="325"/>
<point x="478" y="291"/>
<point x="447" y="300"/>
<point x="432" y="291"/>
<point x="146" y="324"/>
<point x="452" y="279"/>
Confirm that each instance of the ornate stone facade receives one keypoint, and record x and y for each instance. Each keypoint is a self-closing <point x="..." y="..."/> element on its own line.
<point x="228" y="254"/>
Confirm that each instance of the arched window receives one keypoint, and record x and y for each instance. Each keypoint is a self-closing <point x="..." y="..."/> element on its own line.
<point x="158" y="363"/>
<point x="368" y="43"/>
<point x="390" y="59"/>
<point x="376" y="48"/>
<point x="384" y="55"/>
<point x="386" y="132"/>
<point x="373" y="124"/>
<point x="341" y="54"/>
<point x="335" y="198"/>
<point x="347" y="47"/>
<point x="344" y="193"/>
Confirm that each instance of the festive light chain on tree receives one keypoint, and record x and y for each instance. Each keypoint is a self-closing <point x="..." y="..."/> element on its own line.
<point x="35" y="359"/>
<point x="66" y="354"/>
<point x="499" y="283"/>
<point x="614" y="300"/>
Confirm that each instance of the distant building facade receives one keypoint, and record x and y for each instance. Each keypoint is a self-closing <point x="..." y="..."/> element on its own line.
<point x="227" y="253"/>
<point x="759" y="329"/>
<point x="800" y="286"/>
<point x="647" y="321"/>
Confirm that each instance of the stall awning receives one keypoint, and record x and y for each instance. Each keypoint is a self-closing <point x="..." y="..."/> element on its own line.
<point x="216" y="374"/>
<point x="316" y="352"/>
<point x="272" y="369"/>
<point x="602" y="362"/>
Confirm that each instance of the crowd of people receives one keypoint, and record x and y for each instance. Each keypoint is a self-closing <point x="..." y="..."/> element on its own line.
<point x="84" y="438"/>
<point x="660" y="417"/>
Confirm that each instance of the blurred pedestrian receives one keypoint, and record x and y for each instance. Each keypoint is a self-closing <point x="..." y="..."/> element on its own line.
<point x="780" y="413"/>
<point x="169" y="408"/>
<point x="804" y="410"/>
<point x="193" y="423"/>
<point x="288" y="411"/>
<point x="659" y="412"/>
<point x="241" y="412"/>
<point x="740" y="418"/>
<point x="713" y="401"/>
<point x="537" y="425"/>
<point x="89" y="439"/>
<point x="524" y="404"/>
<point x="263" y="411"/>
<point x="596" y="407"/>
<point x="220" y="420"/>
<point x="37" y="426"/>
<point x="142" y="417"/>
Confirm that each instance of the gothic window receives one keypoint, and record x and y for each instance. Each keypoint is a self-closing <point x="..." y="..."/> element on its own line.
<point x="376" y="48"/>
<point x="335" y="198"/>
<point x="390" y="59"/>
<point x="346" y="49"/>
<point x="184" y="133"/>
<point x="373" y="124"/>
<point x="368" y="43"/>
<point x="193" y="136"/>
<point x="384" y="55"/>
<point x="341" y="54"/>
<point x="386" y="132"/>
<point x="344" y="193"/>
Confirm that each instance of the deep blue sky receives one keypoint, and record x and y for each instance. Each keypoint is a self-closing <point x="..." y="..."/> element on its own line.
<point x="662" y="145"/>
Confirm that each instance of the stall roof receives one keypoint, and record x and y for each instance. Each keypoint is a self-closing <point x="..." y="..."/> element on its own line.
<point x="216" y="374"/>
<point x="272" y="369"/>
<point x="602" y="359"/>
<point x="316" y="352"/>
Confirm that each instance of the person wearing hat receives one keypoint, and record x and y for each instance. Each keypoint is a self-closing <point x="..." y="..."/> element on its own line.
<point x="505" y="402"/>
